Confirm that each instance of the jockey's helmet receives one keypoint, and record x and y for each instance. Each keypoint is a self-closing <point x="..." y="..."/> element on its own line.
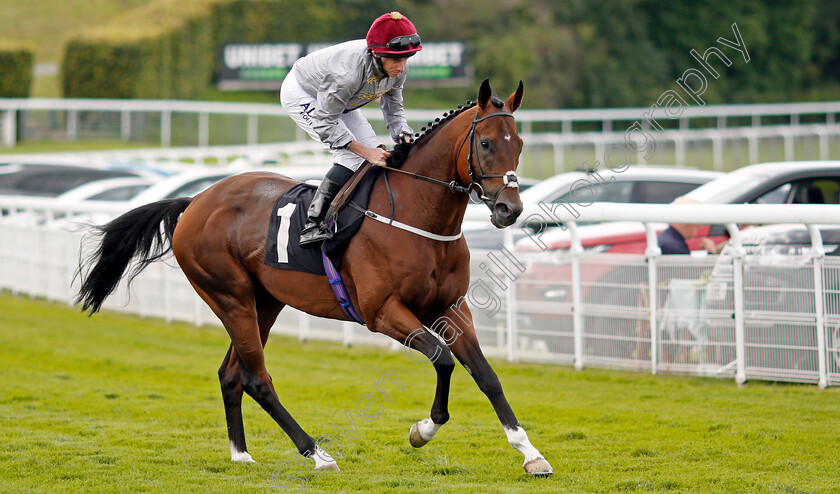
<point x="392" y="35"/>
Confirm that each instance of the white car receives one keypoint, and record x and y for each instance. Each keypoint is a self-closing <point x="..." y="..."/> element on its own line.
<point x="636" y="184"/>
<point x="190" y="183"/>
<point x="110" y="189"/>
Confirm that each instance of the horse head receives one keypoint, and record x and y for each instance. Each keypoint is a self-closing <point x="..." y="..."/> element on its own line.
<point x="492" y="154"/>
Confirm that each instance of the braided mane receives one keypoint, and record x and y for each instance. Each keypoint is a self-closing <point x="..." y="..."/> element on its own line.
<point x="401" y="151"/>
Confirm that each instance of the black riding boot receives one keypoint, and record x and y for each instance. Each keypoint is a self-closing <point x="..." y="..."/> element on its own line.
<point x="312" y="236"/>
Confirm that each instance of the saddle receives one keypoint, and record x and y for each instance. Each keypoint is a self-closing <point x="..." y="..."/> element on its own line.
<point x="289" y="216"/>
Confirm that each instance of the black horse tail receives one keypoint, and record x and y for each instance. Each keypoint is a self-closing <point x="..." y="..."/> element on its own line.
<point x="144" y="233"/>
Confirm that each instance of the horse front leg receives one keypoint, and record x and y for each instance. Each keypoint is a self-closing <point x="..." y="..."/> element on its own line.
<point x="466" y="349"/>
<point x="399" y="323"/>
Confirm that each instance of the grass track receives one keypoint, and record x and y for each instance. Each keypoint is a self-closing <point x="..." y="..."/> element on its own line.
<point x="120" y="404"/>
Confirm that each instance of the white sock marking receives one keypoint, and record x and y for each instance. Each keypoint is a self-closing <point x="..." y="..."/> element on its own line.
<point x="519" y="440"/>
<point x="428" y="429"/>
<point x="242" y="456"/>
<point x="322" y="458"/>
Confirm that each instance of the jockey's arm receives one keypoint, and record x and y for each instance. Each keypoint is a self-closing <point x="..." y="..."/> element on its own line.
<point x="376" y="155"/>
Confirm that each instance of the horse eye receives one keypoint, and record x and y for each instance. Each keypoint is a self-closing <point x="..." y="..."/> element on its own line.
<point x="485" y="144"/>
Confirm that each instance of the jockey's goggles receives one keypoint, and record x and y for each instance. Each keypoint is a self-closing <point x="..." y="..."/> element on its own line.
<point x="401" y="43"/>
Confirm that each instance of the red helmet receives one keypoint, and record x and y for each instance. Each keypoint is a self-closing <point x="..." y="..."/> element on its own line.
<point x="393" y="36"/>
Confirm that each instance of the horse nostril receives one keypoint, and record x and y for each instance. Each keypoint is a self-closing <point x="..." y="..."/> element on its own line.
<point x="502" y="209"/>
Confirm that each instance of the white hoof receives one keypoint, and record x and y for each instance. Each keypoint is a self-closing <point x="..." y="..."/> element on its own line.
<point x="242" y="457"/>
<point x="328" y="467"/>
<point x="538" y="467"/>
<point x="323" y="461"/>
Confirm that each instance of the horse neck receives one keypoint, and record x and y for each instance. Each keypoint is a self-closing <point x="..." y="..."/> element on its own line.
<point x="437" y="207"/>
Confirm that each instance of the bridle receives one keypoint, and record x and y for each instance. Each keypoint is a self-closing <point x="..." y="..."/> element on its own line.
<point x="509" y="177"/>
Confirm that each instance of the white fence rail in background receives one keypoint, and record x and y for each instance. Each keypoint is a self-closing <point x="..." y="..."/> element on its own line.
<point x="721" y="137"/>
<point x="709" y="316"/>
<point x="284" y="153"/>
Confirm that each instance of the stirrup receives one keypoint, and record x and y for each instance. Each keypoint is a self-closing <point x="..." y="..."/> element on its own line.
<point x="313" y="238"/>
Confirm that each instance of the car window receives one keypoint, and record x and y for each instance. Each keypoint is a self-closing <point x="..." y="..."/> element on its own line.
<point x="597" y="192"/>
<point x="816" y="191"/>
<point x="659" y="192"/>
<point x="190" y="189"/>
<point x="808" y="191"/>
<point x="124" y="193"/>
<point x="53" y="183"/>
<point x="778" y="195"/>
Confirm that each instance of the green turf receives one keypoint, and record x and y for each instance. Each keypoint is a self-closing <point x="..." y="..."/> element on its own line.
<point x="116" y="403"/>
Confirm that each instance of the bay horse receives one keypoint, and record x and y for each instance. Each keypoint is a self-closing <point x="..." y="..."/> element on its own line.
<point x="401" y="283"/>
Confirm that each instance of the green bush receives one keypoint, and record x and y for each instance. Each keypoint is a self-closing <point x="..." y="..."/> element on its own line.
<point x="157" y="54"/>
<point x="15" y="71"/>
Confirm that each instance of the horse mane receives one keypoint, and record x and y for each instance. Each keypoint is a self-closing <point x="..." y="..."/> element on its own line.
<point x="402" y="150"/>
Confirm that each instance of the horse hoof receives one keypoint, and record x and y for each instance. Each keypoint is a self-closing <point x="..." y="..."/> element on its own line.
<point x="242" y="458"/>
<point x="538" y="467"/>
<point x="414" y="437"/>
<point x="329" y="467"/>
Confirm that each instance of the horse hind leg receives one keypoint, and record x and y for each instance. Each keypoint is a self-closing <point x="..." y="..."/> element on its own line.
<point x="248" y="320"/>
<point x="230" y="380"/>
<point x="232" y="397"/>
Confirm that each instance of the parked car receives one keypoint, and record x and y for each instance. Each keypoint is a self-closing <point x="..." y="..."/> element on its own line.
<point x="49" y="180"/>
<point x="612" y="284"/>
<point x="779" y="302"/>
<point x="639" y="184"/>
<point x="109" y="189"/>
<point x="190" y="183"/>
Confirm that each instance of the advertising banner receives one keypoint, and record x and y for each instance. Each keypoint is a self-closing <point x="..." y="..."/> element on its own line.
<point x="262" y="66"/>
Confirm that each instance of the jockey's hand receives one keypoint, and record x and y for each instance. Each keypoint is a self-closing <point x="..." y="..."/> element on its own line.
<point x="376" y="155"/>
<point x="404" y="137"/>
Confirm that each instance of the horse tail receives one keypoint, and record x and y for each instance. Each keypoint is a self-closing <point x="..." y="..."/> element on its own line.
<point x="144" y="234"/>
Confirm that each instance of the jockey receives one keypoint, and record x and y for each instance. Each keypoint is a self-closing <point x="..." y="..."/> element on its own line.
<point x="322" y="90"/>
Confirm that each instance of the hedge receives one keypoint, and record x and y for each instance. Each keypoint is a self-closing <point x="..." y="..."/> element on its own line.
<point x="15" y="71"/>
<point x="157" y="54"/>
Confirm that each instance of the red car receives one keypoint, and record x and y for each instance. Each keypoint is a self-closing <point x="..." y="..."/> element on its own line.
<point x="612" y="285"/>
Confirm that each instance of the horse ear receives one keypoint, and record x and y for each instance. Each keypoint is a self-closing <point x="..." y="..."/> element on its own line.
<point x="484" y="93"/>
<point x="515" y="99"/>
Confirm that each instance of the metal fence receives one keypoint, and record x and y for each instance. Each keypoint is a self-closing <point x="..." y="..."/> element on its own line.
<point x="720" y="137"/>
<point x="708" y="316"/>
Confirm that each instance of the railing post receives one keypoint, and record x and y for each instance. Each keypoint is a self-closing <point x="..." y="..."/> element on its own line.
<point x="9" y="123"/>
<point x="125" y="125"/>
<point x="72" y="124"/>
<point x="203" y="129"/>
<point x="347" y="333"/>
<point x="652" y="252"/>
<point x="738" y="253"/>
<point x="717" y="153"/>
<point x="303" y="327"/>
<point x="818" y="259"/>
<point x="165" y="128"/>
<point x="253" y="128"/>
<point x="575" y="251"/>
<point x="510" y="299"/>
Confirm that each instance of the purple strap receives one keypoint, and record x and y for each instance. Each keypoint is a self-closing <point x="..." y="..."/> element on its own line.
<point x="340" y="292"/>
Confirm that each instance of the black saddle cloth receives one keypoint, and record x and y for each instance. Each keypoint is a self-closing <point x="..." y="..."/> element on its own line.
<point x="289" y="215"/>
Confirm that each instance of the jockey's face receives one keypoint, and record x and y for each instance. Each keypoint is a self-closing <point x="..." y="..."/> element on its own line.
<point x="393" y="66"/>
